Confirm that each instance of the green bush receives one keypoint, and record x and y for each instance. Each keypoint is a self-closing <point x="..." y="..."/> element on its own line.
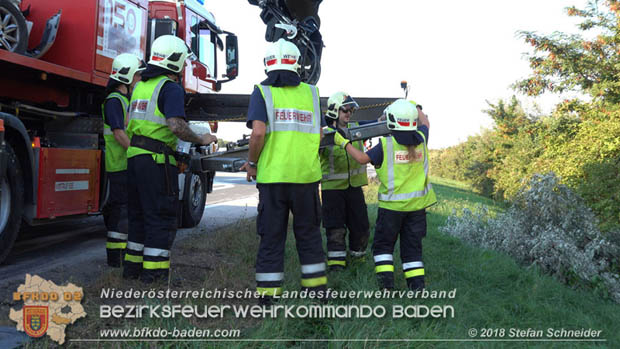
<point x="549" y="226"/>
<point x="579" y="142"/>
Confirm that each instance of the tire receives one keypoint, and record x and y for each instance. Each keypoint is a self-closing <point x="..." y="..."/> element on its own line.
<point x="13" y="36"/>
<point x="194" y="199"/>
<point x="11" y="203"/>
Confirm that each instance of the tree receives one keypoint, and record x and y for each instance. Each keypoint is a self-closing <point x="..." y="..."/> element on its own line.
<point x="562" y="62"/>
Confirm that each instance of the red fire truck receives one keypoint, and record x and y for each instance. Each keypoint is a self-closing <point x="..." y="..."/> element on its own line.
<point x="55" y="58"/>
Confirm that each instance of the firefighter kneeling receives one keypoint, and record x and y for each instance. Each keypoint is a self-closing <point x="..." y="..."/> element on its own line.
<point x="405" y="192"/>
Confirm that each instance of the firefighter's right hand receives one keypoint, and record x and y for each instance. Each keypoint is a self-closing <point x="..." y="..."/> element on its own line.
<point x="340" y="141"/>
<point x="208" y="139"/>
<point x="251" y="171"/>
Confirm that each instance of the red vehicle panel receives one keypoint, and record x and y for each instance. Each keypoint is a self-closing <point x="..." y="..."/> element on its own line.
<point x="91" y="32"/>
<point x="77" y="30"/>
<point x="68" y="182"/>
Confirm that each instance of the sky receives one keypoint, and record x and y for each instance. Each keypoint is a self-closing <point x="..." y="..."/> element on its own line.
<point x="456" y="55"/>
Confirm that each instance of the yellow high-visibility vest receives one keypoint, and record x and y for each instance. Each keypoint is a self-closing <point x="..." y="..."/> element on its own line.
<point x="115" y="153"/>
<point x="145" y="118"/>
<point x="405" y="185"/>
<point x="339" y="169"/>
<point x="291" y="150"/>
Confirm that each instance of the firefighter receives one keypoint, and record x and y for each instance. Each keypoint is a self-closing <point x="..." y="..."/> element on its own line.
<point x="125" y="74"/>
<point x="285" y="117"/>
<point x="405" y="192"/>
<point x="343" y="205"/>
<point x="157" y="121"/>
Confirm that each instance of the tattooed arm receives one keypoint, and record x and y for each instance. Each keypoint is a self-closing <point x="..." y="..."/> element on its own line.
<point x="181" y="129"/>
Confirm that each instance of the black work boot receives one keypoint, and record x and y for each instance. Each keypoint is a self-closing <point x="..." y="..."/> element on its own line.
<point x="336" y="268"/>
<point x="131" y="271"/>
<point x="266" y="301"/>
<point x="149" y="276"/>
<point x="416" y="283"/>
<point x="115" y="258"/>
<point x="385" y="280"/>
<point x="318" y="293"/>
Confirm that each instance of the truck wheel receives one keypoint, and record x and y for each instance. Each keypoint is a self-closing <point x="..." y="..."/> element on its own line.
<point x="194" y="199"/>
<point x="13" y="29"/>
<point x="11" y="203"/>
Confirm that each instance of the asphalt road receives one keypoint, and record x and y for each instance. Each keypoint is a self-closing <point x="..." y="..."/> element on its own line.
<point x="75" y="250"/>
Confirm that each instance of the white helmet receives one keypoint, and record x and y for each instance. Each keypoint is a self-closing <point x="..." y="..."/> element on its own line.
<point x="337" y="101"/>
<point x="170" y="52"/>
<point x="125" y="66"/>
<point x="282" y="55"/>
<point x="402" y="115"/>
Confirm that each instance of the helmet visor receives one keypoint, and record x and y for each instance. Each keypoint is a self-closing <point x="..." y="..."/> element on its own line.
<point x="349" y="103"/>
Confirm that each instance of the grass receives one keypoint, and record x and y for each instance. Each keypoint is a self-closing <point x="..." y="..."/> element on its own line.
<point x="492" y="292"/>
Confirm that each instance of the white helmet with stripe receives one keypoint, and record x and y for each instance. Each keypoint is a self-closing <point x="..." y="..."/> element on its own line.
<point x="402" y="115"/>
<point x="170" y="52"/>
<point x="125" y="66"/>
<point x="339" y="100"/>
<point x="282" y="55"/>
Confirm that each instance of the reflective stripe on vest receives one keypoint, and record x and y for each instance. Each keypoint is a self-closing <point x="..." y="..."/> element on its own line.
<point x="291" y="150"/>
<point x="331" y="175"/>
<point x="148" y="113"/>
<point x="107" y="131"/>
<point x="411" y="189"/>
<point x="390" y="196"/>
<point x="274" y="125"/>
<point x="335" y="176"/>
<point x="145" y="118"/>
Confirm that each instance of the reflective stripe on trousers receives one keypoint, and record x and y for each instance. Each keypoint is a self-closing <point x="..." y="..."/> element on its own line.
<point x="413" y="269"/>
<point x="313" y="275"/>
<point x="336" y="258"/>
<point x="384" y="263"/>
<point x="117" y="235"/>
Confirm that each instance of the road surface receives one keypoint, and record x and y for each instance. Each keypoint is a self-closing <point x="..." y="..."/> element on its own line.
<point x="75" y="250"/>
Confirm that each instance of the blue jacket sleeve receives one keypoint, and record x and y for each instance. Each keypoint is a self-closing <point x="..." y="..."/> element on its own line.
<point x="424" y="131"/>
<point x="171" y="100"/>
<point x="257" y="110"/>
<point x="376" y="155"/>
<point x="114" y="115"/>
